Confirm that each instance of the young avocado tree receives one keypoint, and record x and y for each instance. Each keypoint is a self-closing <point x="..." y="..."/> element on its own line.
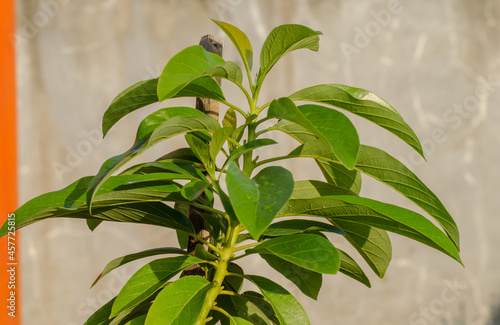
<point x="249" y="205"/>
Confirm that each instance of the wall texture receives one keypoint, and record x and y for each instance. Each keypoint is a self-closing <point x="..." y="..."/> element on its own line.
<point x="437" y="62"/>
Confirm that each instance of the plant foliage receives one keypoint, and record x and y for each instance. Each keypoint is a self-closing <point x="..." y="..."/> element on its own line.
<point x="245" y="199"/>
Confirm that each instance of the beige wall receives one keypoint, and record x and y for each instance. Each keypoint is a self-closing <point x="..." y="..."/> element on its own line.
<point x="432" y="60"/>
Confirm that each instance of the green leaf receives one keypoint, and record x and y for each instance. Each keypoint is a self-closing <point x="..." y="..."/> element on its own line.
<point x="327" y="124"/>
<point x="134" y="97"/>
<point x="70" y="203"/>
<point x="310" y="188"/>
<point x="200" y="149"/>
<point x="192" y="190"/>
<point x="349" y="267"/>
<point x="297" y="226"/>
<point x="117" y="262"/>
<point x="101" y="316"/>
<point x="309" y="251"/>
<point x="373" y="244"/>
<point x="287" y="308"/>
<point x="239" y="321"/>
<point x="171" y="127"/>
<point x="307" y="281"/>
<point x="235" y="283"/>
<point x="230" y="120"/>
<point x="218" y="140"/>
<point x="363" y="103"/>
<point x="180" y="303"/>
<point x="376" y="214"/>
<point x="240" y="41"/>
<point x="155" y="119"/>
<point x="149" y="279"/>
<point x="141" y="320"/>
<point x="262" y="196"/>
<point x="188" y="169"/>
<point x="238" y="306"/>
<point x="265" y="307"/>
<point x="388" y="170"/>
<point x="201" y="253"/>
<point x="190" y="73"/>
<point x="249" y="146"/>
<point x="284" y="39"/>
<point x="335" y="174"/>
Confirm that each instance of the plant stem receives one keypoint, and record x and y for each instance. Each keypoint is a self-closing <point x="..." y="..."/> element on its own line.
<point x="220" y="274"/>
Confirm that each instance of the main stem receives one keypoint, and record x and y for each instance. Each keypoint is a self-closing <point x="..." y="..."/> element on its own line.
<point x="220" y="274"/>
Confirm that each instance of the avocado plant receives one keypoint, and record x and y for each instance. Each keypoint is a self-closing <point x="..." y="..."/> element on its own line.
<point x="249" y="205"/>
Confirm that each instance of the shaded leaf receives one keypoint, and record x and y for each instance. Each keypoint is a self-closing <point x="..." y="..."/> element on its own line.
<point x="192" y="190"/>
<point x="349" y="267"/>
<point x="287" y="308"/>
<point x="309" y="282"/>
<point x="373" y="244"/>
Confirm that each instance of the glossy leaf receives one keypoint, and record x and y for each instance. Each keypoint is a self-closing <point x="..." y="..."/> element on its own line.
<point x="336" y="174"/>
<point x="287" y="308"/>
<point x="388" y="170"/>
<point x="349" y="267"/>
<point x="134" y="97"/>
<point x="262" y="196"/>
<point x="180" y="302"/>
<point x="170" y="128"/>
<point x="363" y="103"/>
<point x="308" y="251"/>
<point x="191" y="71"/>
<point x="376" y="214"/>
<point x="297" y="226"/>
<point x="240" y="41"/>
<point x="329" y="125"/>
<point x="309" y="282"/>
<point x="282" y="40"/>
<point x="117" y="262"/>
<point x="149" y="279"/>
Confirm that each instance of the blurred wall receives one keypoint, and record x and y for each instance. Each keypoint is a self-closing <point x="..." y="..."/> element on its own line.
<point x="437" y="62"/>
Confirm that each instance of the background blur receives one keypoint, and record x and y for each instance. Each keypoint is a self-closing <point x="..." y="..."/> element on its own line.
<point x="437" y="62"/>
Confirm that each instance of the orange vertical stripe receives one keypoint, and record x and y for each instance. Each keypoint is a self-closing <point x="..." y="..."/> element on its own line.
<point x="10" y="303"/>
